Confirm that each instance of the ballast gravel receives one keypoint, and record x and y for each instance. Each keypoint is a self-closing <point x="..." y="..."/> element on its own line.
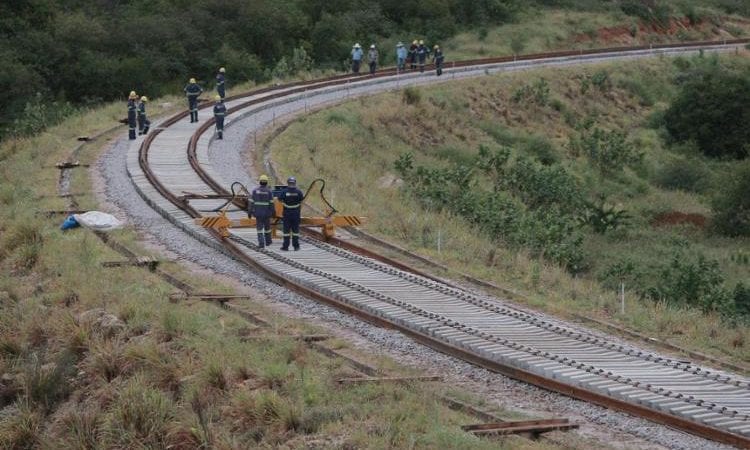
<point x="229" y="157"/>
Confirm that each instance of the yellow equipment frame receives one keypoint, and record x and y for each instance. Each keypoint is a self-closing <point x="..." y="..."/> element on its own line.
<point x="327" y="223"/>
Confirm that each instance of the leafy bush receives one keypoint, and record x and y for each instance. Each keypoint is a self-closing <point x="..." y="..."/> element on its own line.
<point x="711" y="109"/>
<point x="609" y="151"/>
<point x="541" y="186"/>
<point x="537" y="92"/>
<point x="690" y="281"/>
<point x="39" y="113"/>
<point x="600" y="80"/>
<point x="731" y="206"/>
<point x="690" y="175"/>
<point x="525" y="204"/>
<point x="541" y="148"/>
<point x="603" y="218"/>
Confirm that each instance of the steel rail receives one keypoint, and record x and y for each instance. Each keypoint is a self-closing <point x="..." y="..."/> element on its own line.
<point x="235" y="249"/>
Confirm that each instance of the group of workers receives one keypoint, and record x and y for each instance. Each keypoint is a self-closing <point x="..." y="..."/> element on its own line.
<point x="137" y="109"/>
<point x="260" y="201"/>
<point x="193" y="90"/>
<point x="137" y="115"/>
<point x="415" y="56"/>
<point x="260" y="205"/>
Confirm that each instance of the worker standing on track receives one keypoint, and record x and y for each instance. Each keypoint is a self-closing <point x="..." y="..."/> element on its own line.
<point x="221" y="83"/>
<point x="413" y="55"/>
<point x="400" y="56"/>
<point x="193" y="90"/>
<point x="220" y="110"/>
<point x="260" y="205"/>
<point x="143" y="123"/>
<point x="438" y="59"/>
<point x="372" y="59"/>
<point x="132" y="107"/>
<point x="356" y="57"/>
<point x="422" y="52"/>
<point x="291" y="198"/>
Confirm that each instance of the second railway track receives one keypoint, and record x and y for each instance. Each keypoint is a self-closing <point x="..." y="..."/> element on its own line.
<point x="175" y="159"/>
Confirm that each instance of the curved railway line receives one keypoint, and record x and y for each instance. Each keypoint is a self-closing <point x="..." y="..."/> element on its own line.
<point x="175" y="159"/>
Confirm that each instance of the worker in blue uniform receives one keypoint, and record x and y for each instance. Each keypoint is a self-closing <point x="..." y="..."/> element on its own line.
<point x="132" y="108"/>
<point x="291" y="197"/>
<point x="260" y="205"/>
<point x="438" y="58"/>
<point x="193" y="90"/>
<point x="357" y="55"/>
<point x="400" y="56"/>
<point x="413" y="55"/>
<point x="422" y="53"/>
<point x="221" y="83"/>
<point x="143" y="123"/>
<point x="220" y="111"/>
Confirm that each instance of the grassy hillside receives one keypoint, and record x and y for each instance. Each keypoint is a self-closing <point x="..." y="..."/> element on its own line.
<point x="559" y="182"/>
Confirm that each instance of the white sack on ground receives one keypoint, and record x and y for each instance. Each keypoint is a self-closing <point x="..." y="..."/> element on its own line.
<point x="97" y="220"/>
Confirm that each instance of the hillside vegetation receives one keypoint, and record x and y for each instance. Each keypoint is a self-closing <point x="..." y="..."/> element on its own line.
<point x="564" y="182"/>
<point x="61" y="55"/>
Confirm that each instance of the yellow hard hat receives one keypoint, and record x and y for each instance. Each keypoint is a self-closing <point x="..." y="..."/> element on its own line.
<point x="133" y="95"/>
<point x="263" y="178"/>
<point x="144" y="99"/>
<point x="415" y="42"/>
<point x="437" y="47"/>
<point x="192" y="80"/>
<point x="217" y="98"/>
<point x="421" y="42"/>
<point x="222" y="70"/>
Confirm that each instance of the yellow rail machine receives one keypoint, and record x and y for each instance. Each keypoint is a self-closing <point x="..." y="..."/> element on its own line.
<point x="327" y="223"/>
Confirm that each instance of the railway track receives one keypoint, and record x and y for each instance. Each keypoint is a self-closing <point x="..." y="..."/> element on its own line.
<point x="175" y="159"/>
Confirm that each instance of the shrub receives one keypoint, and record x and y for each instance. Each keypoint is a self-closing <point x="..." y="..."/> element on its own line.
<point x="140" y="417"/>
<point x="625" y="270"/>
<point x="20" y="427"/>
<point x="83" y="427"/>
<point x="537" y="92"/>
<point x="711" y="109"/>
<point x="731" y="206"/>
<point x="603" y="218"/>
<point x="600" y="80"/>
<point x="525" y="204"/>
<point x="690" y="281"/>
<point x="25" y="239"/>
<point x="741" y="299"/>
<point x="690" y="175"/>
<point x="541" y="148"/>
<point x="609" y="151"/>
<point x="411" y="96"/>
<point x="40" y="113"/>
<point x="46" y="384"/>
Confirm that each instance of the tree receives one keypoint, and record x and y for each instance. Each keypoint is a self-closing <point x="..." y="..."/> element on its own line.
<point x="732" y="205"/>
<point x="712" y="110"/>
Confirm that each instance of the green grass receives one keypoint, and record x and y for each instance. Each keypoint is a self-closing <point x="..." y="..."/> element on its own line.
<point x="450" y="122"/>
